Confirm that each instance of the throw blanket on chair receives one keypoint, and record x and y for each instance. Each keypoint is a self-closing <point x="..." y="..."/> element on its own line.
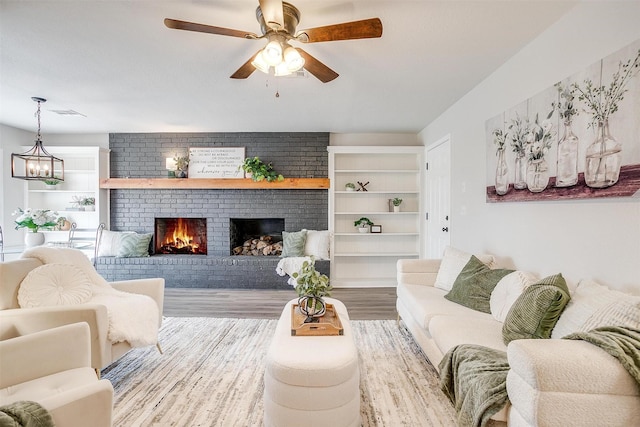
<point x="132" y="317"/>
<point x="620" y="342"/>
<point x="24" y="414"/>
<point x="474" y="378"/>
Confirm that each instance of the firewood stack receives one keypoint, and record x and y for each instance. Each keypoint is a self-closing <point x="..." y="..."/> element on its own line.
<point x="263" y="246"/>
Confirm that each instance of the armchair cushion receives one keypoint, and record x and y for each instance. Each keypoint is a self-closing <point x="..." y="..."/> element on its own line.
<point x="54" y="284"/>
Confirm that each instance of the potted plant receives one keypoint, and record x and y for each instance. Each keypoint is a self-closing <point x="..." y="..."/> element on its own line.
<point x="350" y="186"/>
<point x="311" y="286"/>
<point x="34" y="220"/>
<point x="260" y="171"/>
<point x="51" y="183"/>
<point x="182" y="164"/>
<point x="89" y="203"/>
<point x="363" y="224"/>
<point x="396" y="204"/>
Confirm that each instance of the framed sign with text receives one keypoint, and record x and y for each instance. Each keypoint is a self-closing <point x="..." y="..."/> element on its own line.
<point x="216" y="162"/>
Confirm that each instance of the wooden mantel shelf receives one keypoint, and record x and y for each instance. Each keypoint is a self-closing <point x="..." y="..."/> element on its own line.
<point x="214" y="183"/>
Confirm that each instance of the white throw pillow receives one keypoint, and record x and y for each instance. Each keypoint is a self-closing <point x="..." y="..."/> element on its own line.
<point x="110" y="242"/>
<point x="588" y="299"/>
<point x="453" y="261"/>
<point x="54" y="284"/>
<point x="317" y="244"/>
<point x="507" y="292"/>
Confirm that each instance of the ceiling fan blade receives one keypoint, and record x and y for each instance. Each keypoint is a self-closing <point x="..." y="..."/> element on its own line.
<point x="317" y="68"/>
<point x="202" y="28"/>
<point x="246" y="69"/>
<point x="365" y="29"/>
<point x="272" y="13"/>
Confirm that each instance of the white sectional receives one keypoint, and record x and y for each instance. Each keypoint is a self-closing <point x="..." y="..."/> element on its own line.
<point x="551" y="382"/>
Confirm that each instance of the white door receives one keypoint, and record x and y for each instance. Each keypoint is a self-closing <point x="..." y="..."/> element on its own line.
<point x="438" y="197"/>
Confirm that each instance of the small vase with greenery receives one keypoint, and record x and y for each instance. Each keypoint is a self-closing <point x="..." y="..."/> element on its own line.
<point x="311" y="286"/>
<point x="350" y="186"/>
<point x="396" y="204"/>
<point x="51" y="183"/>
<point x="363" y="224"/>
<point x="182" y="165"/>
<point x="259" y="170"/>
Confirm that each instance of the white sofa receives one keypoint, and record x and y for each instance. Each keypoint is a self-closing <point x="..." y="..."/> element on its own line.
<point x="551" y="382"/>
<point x="53" y="368"/>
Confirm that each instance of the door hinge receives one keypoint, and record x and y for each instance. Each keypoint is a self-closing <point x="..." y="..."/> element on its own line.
<point x="426" y="165"/>
<point x="426" y="216"/>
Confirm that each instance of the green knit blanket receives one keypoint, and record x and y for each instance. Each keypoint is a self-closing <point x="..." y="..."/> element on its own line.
<point x="24" y="414"/>
<point x="474" y="378"/>
<point x="620" y="342"/>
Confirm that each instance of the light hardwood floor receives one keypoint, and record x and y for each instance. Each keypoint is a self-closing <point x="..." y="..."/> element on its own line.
<point x="362" y="303"/>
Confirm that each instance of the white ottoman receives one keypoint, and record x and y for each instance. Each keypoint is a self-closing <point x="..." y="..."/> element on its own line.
<point x="312" y="381"/>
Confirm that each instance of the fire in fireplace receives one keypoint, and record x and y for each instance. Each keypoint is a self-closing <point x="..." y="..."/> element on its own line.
<point x="256" y="236"/>
<point x="181" y="236"/>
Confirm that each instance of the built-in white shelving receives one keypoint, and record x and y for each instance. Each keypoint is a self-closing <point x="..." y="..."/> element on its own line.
<point x="369" y="259"/>
<point x="84" y="167"/>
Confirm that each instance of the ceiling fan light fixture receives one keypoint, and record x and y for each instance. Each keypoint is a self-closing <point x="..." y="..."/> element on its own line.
<point x="293" y="59"/>
<point x="272" y="53"/>
<point x="260" y="63"/>
<point x="281" y="70"/>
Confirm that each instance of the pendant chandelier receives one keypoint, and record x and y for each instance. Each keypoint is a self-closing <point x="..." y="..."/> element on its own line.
<point x="37" y="163"/>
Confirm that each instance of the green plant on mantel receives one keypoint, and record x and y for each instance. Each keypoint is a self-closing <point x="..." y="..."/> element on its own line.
<point x="260" y="171"/>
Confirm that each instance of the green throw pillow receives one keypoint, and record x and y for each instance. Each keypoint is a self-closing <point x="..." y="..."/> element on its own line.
<point x="134" y="245"/>
<point x="293" y="243"/>
<point x="537" y="309"/>
<point x="473" y="286"/>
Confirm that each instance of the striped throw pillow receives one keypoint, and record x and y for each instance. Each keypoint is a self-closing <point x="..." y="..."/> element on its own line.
<point x="537" y="309"/>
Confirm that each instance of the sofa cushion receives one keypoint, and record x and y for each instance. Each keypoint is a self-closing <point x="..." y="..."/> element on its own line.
<point x="54" y="284"/>
<point x="317" y="243"/>
<point x="424" y="302"/>
<point x="588" y="299"/>
<point x="134" y="245"/>
<point x="473" y="286"/>
<point x="448" y="331"/>
<point x="453" y="261"/>
<point x="293" y="243"/>
<point x="110" y="242"/>
<point x="536" y="311"/>
<point x="507" y="291"/>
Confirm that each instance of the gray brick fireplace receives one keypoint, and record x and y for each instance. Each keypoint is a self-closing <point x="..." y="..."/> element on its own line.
<point x="134" y="155"/>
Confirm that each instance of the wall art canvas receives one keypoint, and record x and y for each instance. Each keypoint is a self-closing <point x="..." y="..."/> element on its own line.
<point x="216" y="162"/>
<point x="578" y="139"/>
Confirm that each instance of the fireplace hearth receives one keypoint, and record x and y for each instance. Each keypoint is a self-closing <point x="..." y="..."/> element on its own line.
<point x="182" y="236"/>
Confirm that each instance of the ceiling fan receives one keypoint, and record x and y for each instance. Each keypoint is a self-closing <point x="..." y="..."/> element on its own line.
<point x="278" y="21"/>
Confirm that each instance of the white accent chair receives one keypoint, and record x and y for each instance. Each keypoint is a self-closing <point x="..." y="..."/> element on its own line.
<point x="16" y="321"/>
<point x="53" y="368"/>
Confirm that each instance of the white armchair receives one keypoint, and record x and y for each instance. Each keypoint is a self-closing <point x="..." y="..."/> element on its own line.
<point x="53" y="368"/>
<point x="16" y="321"/>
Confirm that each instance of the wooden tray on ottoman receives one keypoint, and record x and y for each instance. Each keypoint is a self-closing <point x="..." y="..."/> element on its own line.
<point x="329" y="324"/>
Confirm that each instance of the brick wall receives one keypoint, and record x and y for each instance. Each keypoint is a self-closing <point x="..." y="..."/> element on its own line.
<point x="143" y="155"/>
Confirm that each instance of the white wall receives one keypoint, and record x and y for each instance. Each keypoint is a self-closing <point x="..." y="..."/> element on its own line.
<point x="597" y="239"/>
<point x="13" y="140"/>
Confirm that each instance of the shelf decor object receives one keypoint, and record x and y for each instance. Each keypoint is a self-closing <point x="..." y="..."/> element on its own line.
<point x="36" y="163"/>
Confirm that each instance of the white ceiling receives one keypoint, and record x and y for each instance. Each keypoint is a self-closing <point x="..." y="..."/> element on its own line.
<point x="117" y="64"/>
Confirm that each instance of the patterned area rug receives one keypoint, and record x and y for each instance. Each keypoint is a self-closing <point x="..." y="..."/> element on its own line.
<point x="211" y="374"/>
